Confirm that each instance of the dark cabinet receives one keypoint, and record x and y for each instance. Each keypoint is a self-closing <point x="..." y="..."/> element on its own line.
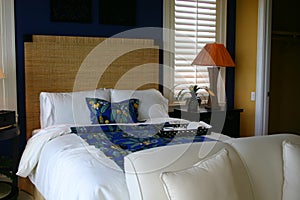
<point x="11" y="133"/>
<point x="226" y="121"/>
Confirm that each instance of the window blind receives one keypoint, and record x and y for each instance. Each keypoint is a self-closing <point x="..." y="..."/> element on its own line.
<point x="194" y="25"/>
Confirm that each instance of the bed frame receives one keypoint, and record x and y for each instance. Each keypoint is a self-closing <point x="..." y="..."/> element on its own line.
<point x="71" y="63"/>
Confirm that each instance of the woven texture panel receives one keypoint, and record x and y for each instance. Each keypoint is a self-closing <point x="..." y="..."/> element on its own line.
<point x="70" y="63"/>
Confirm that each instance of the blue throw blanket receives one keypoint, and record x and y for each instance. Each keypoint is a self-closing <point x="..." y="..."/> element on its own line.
<point x="117" y="141"/>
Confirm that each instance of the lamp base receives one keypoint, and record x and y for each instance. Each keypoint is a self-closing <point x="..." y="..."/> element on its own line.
<point x="213" y="102"/>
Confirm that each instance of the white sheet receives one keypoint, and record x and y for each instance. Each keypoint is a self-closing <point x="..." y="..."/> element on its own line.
<point x="70" y="169"/>
<point x="62" y="166"/>
<point x="66" y="167"/>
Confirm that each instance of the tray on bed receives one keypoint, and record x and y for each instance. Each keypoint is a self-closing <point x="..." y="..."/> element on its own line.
<point x="180" y="131"/>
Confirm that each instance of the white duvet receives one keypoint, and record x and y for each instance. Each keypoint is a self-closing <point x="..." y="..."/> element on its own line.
<point x="62" y="166"/>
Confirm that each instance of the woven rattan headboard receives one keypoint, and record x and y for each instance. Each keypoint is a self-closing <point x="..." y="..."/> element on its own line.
<point x="68" y="63"/>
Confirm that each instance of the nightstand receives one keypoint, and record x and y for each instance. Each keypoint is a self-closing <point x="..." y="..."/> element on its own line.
<point x="226" y="121"/>
<point x="11" y="133"/>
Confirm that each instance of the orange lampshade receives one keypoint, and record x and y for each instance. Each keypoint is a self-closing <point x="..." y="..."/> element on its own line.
<point x="2" y="75"/>
<point x="214" y="55"/>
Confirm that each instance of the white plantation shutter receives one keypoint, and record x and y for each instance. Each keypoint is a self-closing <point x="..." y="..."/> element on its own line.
<point x="195" y="25"/>
<point x="8" y="95"/>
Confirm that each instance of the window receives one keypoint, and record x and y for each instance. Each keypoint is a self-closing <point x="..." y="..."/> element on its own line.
<point x="8" y="88"/>
<point x="193" y="23"/>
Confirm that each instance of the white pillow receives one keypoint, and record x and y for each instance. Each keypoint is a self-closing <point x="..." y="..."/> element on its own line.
<point x="68" y="107"/>
<point x="209" y="179"/>
<point x="291" y="169"/>
<point x="152" y="103"/>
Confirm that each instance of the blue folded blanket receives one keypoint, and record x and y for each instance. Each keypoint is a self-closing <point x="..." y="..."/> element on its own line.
<point x="117" y="141"/>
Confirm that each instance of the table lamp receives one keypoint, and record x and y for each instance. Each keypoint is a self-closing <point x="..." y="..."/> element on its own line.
<point x="214" y="56"/>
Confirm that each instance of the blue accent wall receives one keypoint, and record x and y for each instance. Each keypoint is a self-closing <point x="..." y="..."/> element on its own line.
<point x="33" y="17"/>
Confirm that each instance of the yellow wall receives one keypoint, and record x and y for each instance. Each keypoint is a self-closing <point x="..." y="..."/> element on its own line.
<point x="245" y="72"/>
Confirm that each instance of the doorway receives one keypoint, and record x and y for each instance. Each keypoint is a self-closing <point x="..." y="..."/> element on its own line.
<point x="284" y="107"/>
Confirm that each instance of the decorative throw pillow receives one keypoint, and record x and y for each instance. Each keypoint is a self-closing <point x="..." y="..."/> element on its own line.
<point x="291" y="167"/>
<point x="211" y="178"/>
<point x="105" y="112"/>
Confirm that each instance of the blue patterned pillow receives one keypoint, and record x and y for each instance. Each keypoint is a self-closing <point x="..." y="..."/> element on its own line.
<point x="105" y="112"/>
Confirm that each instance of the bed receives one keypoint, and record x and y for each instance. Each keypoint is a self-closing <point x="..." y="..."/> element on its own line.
<point x="81" y="93"/>
<point x="67" y="160"/>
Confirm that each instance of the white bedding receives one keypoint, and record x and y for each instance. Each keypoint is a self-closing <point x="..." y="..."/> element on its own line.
<point x="65" y="167"/>
<point x="62" y="166"/>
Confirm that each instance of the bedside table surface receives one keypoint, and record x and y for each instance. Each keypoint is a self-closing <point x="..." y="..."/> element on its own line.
<point x="205" y="110"/>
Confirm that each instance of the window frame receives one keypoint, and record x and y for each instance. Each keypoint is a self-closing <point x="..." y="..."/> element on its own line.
<point x="168" y="56"/>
